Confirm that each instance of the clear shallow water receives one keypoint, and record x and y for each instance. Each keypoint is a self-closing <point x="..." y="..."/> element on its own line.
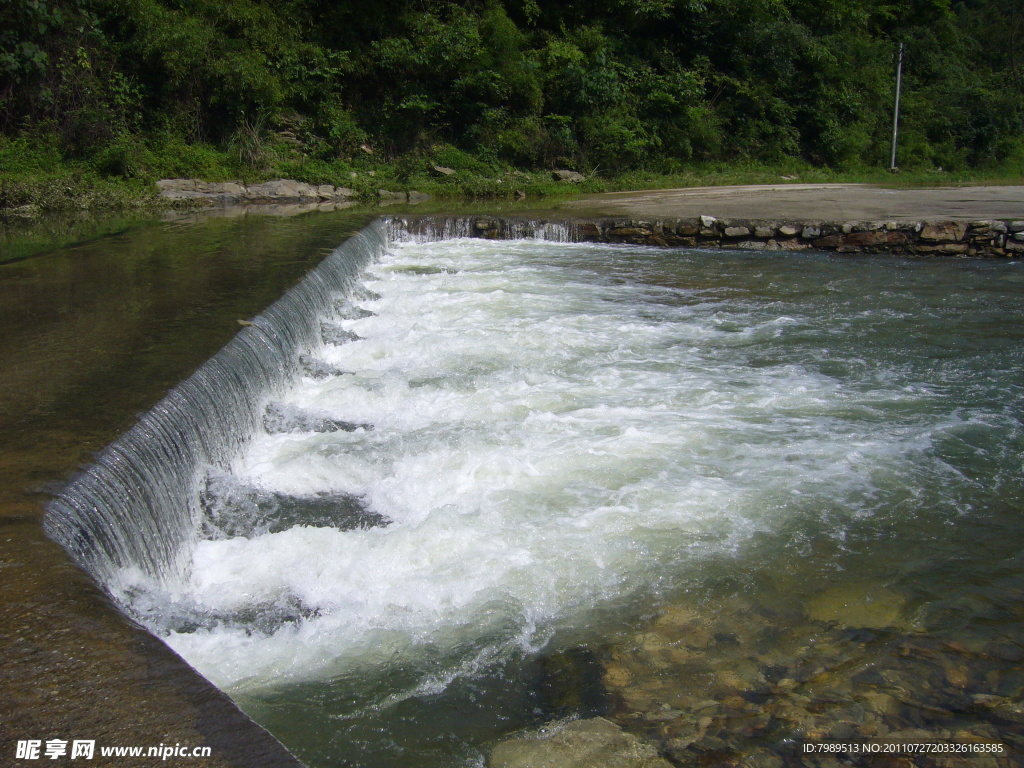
<point x="567" y="437"/>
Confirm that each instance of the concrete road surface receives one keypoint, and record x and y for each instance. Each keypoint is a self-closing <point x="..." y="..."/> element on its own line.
<point x="803" y="202"/>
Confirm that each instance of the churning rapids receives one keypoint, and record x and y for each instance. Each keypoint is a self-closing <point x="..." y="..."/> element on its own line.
<point x="434" y="457"/>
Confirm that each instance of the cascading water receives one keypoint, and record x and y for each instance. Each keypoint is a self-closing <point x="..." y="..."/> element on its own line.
<point x="372" y="516"/>
<point x="137" y="508"/>
<point x="134" y="517"/>
<point x="428" y="229"/>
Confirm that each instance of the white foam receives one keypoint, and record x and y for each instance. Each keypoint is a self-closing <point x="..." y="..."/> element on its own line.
<point x="546" y="439"/>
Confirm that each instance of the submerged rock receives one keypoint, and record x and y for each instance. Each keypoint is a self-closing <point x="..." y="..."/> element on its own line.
<point x="863" y="605"/>
<point x="345" y="310"/>
<point x="280" y="418"/>
<point x="593" y="743"/>
<point x="320" y="369"/>
<point x="335" y="335"/>
<point x="232" y="510"/>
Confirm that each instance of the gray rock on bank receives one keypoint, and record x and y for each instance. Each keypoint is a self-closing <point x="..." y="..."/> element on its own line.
<point x="228" y="192"/>
<point x="573" y="177"/>
<point x="276" y="192"/>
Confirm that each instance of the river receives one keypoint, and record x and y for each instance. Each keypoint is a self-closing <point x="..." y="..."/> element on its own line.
<point x="732" y="501"/>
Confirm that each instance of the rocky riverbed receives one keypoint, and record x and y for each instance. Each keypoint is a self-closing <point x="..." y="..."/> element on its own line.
<point x="749" y="683"/>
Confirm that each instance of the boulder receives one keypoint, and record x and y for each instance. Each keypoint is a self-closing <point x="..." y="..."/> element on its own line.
<point x="230" y="188"/>
<point x="197" y="189"/>
<point x="1004" y="708"/>
<point x="879" y="238"/>
<point x="943" y="249"/>
<point x="737" y="232"/>
<point x="570" y="176"/>
<point x="273" y="192"/>
<point x="387" y="196"/>
<point x="709" y="226"/>
<point x="177" y="185"/>
<point x="179" y="189"/>
<point x="593" y="743"/>
<point x="282" y="190"/>
<point x="827" y="242"/>
<point x="862" y="605"/>
<point x="629" y="232"/>
<point x="943" y="231"/>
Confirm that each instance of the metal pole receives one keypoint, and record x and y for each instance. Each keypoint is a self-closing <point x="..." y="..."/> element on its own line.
<point x="896" y="111"/>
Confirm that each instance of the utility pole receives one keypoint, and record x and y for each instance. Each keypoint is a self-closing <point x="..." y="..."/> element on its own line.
<point x="896" y="111"/>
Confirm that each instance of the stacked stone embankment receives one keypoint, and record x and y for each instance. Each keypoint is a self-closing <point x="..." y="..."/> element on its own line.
<point x="988" y="238"/>
<point x="229" y="192"/>
<point x="276" y="192"/>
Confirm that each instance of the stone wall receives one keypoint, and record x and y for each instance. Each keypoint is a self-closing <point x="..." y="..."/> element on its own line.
<point x="227" y="192"/>
<point x="991" y="239"/>
<point x="276" y="192"/>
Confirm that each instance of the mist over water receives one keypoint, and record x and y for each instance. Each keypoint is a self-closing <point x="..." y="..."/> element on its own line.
<point x="513" y="447"/>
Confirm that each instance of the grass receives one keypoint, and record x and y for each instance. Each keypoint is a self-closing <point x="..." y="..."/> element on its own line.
<point x="35" y="176"/>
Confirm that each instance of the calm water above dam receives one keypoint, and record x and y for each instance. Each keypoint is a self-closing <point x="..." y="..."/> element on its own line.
<point x="730" y="501"/>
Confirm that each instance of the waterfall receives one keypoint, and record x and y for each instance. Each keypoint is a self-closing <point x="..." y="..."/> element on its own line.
<point x="137" y="506"/>
<point x="427" y="229"/>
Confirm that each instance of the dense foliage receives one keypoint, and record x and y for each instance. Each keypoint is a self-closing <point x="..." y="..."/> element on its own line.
<point x="143" y="87"/>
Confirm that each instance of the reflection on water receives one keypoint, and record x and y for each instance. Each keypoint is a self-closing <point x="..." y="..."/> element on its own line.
<point x="733" y="502"/>
<point x="126" y="316"/>
<point x="22" y="237"/>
